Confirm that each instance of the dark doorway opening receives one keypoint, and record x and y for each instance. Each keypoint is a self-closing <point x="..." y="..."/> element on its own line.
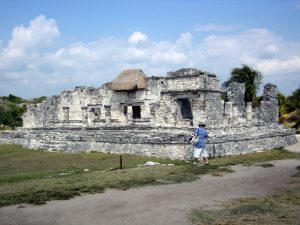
<point x="136" y="112"/>
<point x="185" y="108"/>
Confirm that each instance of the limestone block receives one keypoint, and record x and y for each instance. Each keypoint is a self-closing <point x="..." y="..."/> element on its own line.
<point x="249" y="113"/>
<point x="235" y="94"/>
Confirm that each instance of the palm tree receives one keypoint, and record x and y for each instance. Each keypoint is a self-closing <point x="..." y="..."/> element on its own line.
<point x="252" y="79"/>
<point x="282" y="102"/>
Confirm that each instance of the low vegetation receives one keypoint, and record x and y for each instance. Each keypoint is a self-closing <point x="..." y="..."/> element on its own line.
<point x="289" y="110"/>
<point x="29" y="176"/>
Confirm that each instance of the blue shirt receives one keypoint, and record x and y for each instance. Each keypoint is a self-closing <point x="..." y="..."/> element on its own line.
<point x="203" y="135"/>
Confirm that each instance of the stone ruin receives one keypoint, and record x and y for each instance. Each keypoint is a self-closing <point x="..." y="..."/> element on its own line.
<point x="153" y="116"/>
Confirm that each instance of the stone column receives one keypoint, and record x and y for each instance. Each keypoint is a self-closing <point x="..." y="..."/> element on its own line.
<point x="235" y="94"/>
<point x="129" y="114"/>
<point x="249" y="113"/>
<point x="269" y="105"/>
<point x="228" y="113"/>
<point x="145" y="109"/>
<point x="84" y="115"/>
<point x="102" y="112"/>
<point x="66" y="112"/>
<point x="235" y="114"/>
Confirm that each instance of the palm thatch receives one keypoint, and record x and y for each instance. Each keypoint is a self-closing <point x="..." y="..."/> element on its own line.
<point x="128" y="80"/>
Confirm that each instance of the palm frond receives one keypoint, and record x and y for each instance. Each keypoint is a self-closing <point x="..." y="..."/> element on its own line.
<point x="249" y="76"/>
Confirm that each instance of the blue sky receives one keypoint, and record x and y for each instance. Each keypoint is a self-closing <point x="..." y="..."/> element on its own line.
<point x="49" y="46"/>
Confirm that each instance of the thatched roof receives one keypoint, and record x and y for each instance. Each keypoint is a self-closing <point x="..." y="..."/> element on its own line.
<point x="133" y="79"/>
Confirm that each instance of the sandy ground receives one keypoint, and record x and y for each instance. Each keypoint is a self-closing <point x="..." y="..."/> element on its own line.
<point x="159" y="205"/>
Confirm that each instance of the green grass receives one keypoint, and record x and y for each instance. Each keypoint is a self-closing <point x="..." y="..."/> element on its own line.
<point x="35" y="176"/>
<point x="280" y="208"/>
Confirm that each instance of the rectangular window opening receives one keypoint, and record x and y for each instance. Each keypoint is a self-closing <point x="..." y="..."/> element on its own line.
<point x="185" y="108"/>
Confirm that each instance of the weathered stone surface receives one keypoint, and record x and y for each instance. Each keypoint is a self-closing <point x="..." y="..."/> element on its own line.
<point x="153" y="121"/>
<point x="235" y="93"/>
<point x="163" y="142"/>
<point x="269" y="105"/>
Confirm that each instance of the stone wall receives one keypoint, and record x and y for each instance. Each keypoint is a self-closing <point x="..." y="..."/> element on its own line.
<point x="52" y="111"/>
<point x="159" y="103"/>
<point x="161" y="142"/>
<point x="213" y="108"/>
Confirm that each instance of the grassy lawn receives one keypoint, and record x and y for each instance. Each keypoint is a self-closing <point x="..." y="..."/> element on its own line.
<point x="33" y="176"/>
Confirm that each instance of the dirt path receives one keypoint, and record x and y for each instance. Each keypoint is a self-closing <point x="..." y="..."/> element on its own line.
<point x="159" y="205"/>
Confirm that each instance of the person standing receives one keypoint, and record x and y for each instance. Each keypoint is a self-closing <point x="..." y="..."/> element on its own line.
<point x="200" y="152"/>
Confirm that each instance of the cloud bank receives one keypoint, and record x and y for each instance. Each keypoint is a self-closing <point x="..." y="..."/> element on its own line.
<point x="32" y="65"/>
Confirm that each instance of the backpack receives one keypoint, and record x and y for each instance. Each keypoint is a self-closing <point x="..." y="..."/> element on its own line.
<point x="194" y="140"/>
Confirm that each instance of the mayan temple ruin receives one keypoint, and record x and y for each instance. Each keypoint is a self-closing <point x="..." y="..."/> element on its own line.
<point x="153" y="116"/>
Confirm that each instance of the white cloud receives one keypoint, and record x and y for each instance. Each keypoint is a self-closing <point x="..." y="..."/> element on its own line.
<point x="272" y="49"/>
<point x="25" y="41"/>
<point x="40" y="32"/>
<point x="137" y="37"/>
<point x="185" y="39"/>
<point x="30" y="67"/>
<point x="276" y="66"/>
<point x="275" y="57"/>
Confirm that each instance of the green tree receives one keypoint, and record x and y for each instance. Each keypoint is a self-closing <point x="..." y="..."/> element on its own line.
<point x="12" y="107"/>
<point x="282" y="102"/>
<point x="12" y="117"/>
<point x="3" y="109"/>
<point x="293" y="101"/>
<point x="13" y="98"/>
<point x="252" y="79"/>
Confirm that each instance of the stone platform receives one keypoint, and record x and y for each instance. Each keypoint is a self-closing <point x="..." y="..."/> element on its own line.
<point x="163" y="142"/>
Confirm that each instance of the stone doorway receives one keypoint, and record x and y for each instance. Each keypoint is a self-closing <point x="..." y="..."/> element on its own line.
<point x="136" y="112"/>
